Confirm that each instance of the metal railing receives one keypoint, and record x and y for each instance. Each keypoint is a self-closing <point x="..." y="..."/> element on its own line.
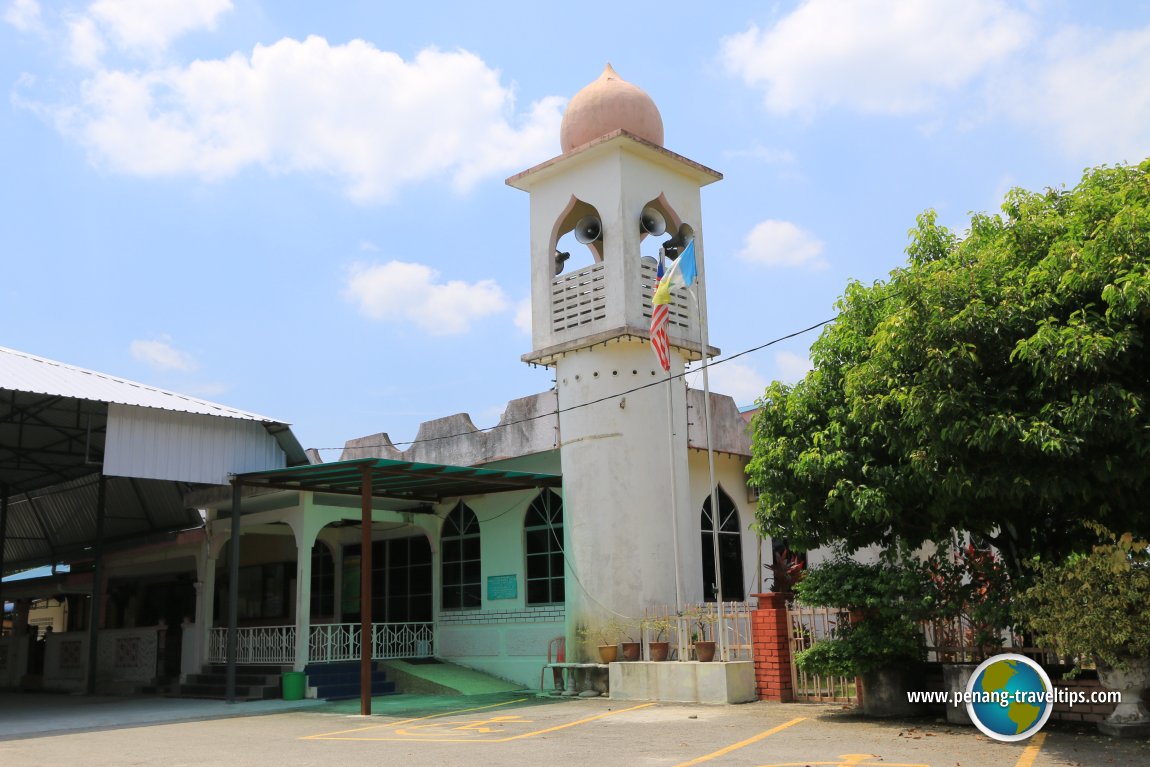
<point x="809" y="626"/>
<point x="327" y="642"/>
<point x="701" y="621"/>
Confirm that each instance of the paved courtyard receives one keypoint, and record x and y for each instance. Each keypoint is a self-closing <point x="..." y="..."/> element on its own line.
<point x="494" y="730"/>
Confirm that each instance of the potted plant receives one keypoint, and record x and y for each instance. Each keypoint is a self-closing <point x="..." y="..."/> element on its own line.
<point x="882" y="641"/>
<point x="658" y="648"/>
<point x="967" y="606"/>
<point x="606" y="636"/>
<point x="702" y="632"/>
<point x="787" y="568"/>
<point x="1095" y="606"/>
<point x="629" y="647"/>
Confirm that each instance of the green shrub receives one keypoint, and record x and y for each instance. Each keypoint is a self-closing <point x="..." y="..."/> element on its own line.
<point x="1093" y="606"/>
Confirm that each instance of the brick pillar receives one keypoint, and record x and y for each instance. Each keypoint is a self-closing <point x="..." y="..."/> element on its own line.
<point x="771" y="635"/>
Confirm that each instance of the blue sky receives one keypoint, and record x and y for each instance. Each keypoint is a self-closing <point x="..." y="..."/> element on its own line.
<point x="298" y="209"/>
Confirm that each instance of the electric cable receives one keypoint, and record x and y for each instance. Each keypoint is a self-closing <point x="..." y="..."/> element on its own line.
<point x="559" y="410"/>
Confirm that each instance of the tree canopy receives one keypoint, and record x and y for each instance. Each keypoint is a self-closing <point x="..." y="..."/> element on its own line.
<point x="997" y="384"/>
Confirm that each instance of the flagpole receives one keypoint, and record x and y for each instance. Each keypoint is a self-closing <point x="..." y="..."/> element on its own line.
<point x="674" y="504"/>
<point x="720" y="639"/>
<point x="670" y="440"/>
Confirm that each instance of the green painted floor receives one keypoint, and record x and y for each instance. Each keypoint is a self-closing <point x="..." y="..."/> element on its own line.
<point x="445" y="678"/>
<point x="426" y="689"/>
<point x="411" y="706"/>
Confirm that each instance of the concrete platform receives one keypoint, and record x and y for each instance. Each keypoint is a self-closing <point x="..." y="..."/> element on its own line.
<point x="684" y="682"/>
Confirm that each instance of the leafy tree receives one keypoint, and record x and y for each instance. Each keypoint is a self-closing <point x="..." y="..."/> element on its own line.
<point x="1094" y="605"/>
<point x="995" y="384"/>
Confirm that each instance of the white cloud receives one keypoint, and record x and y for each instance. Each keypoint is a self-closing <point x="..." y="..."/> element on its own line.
<point x="365" y="116"/>
<point x="1090" y="93"/>
<point x="206" y="389"/>
<point x="161" y="355"/>
<point x="151" y="25"/>
<point x="781" y="243"/>
<point x="86" y="46"/>
<point x="767" y="155"/>
<point x="741" y="382"/>
<point x="792" y="367"/>
<point x="876" y="56"/>
<point x="523" y="316"/>
<point x="404" y="292"/>
<point x="23" y="14"/>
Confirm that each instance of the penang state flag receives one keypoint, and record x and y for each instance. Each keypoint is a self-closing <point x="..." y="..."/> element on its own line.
<point x="681" y="275"/>
<point x="659" y="326"/>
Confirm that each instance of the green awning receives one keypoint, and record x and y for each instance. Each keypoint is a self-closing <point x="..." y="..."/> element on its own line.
<point x="399" y="480"/>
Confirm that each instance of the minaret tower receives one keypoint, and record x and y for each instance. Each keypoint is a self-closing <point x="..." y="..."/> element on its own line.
<point x="623" y="447"/>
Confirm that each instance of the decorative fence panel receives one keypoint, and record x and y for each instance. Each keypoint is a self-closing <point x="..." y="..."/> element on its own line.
<point x="810" y="625"/>
<point x="327" y="642"/>
<point x="579" y="298"/>
<point x="952" y="640"/>
<point x="270" y="645"/>
<point x="403" y="640"/>
<point x="701" y="621"/>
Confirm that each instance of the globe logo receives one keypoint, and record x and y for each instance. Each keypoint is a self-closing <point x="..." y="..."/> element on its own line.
<point x="1009" y="697"/>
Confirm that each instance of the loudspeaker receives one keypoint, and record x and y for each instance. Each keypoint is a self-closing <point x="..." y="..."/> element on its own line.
<point x="651" y="221"/>
<point x="588" y="230"/>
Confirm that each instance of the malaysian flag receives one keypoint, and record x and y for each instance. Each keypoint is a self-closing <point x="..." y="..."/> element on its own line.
<point x="659" y="325"/>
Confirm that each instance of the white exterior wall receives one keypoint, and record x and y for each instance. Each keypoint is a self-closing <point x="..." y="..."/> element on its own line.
<point x="185" y="447"/>
<point x="622" y="496"/>
<point x="618" y="179"/>
<point x="505" y="637"/>
<point x="731" y="479"/>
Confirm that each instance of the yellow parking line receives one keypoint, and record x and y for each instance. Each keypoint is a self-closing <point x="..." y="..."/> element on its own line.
<point x="343" y="734"/>
<point x="741" y="744"/>
<point x="1031" y="752"/>
<point x="572" y="724"/>
<point x="409" y="721"/>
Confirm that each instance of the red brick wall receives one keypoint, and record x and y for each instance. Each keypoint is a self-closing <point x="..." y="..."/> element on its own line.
<point x="1085" y="712"/>
<point x="770" y="636"/>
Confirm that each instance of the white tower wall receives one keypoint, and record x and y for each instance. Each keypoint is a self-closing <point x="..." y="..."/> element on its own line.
<point x="625" y="484"/>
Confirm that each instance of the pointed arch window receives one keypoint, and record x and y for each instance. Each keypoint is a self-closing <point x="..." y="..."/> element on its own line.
<point x="460" y="558"/>
<point x="543" y="544"/>
<point x="730" y="550"/>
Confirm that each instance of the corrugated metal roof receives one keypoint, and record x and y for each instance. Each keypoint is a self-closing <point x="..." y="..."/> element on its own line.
<point x="61" y="427"/>
<point x="21" y="371"/>
<point x="401" y="480"/>
<point x="56" y="524"/>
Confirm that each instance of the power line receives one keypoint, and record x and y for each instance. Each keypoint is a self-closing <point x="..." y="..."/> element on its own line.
<point x="607" y="398"/>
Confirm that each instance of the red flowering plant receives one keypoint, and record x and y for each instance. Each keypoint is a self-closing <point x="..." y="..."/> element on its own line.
<point x="787" y="569"/>
<point x="968" y="601"/>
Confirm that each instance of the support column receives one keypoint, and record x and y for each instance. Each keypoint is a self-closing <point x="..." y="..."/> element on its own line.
<point x="305" y="538"/>
<point x="366" y="645"/>
<point x="205" y="601"/>
<point x="3" y="539"/>
<point x="770" y="635"/>
<point x="94" y="619"/>
<point x="233" y="591"/>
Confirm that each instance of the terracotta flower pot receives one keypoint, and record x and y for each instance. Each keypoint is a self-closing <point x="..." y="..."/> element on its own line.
<point x="631" y="651"/>
<point x="659" y="650"/>
<point x="705" y="651"/>
<point x="608" y="653"/>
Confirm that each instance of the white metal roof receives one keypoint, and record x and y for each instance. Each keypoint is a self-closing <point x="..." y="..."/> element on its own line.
<point x="21" y="371"/>
<point x="62" y="428"/>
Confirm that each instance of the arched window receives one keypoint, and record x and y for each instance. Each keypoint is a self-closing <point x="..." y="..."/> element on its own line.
<point x="543" y="529"/>
<point x="730" y="550"/>
<point x="459" y="555"/>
